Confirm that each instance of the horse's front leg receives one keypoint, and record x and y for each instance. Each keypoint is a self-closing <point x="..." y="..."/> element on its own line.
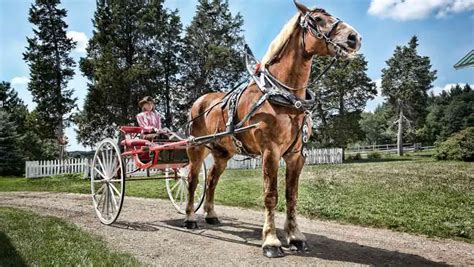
<point x="271" y="245"/>
<point x="294" y="165"/>
<point x="196" y="157"/>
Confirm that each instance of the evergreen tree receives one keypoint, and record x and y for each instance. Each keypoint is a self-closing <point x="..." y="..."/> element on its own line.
<point x="28" y="127"/>
<point x="341" y="96"/>
<point x="171" y="59"/>
<point x="12" y="104"/>
<point x="120" y="65"/>
<point x="51" y="67"/>
<point x="11" y="162"/>
<point x="405" y="82"/>
<point x="212" y="52"/>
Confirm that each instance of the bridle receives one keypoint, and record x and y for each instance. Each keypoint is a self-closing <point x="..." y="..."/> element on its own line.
<point x="309" y="24"/>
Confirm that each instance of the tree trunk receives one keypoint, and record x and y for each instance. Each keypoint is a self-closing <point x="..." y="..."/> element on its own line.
<point x="168" y="100"/>
<point x="400" y="134"/>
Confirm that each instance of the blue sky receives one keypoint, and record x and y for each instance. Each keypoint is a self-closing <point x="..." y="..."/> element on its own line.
<point x="445" y="29"/>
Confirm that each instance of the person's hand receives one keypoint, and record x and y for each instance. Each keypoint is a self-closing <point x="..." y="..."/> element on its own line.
<point x="156" y="130"/>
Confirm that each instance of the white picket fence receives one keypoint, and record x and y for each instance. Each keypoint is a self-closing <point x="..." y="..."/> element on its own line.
<point x="44" y="168"/>
<point x="315" y="156"/>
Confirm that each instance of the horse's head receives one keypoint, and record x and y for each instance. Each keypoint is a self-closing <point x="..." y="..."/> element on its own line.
<point x="328" y="35"/>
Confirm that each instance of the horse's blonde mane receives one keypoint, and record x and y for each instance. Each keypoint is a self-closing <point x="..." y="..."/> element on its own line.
<point x="281" y="39"/>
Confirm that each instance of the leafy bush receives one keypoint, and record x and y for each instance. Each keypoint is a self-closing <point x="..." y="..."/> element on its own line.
<point x="354" y="157"/>
<point x="460" y="146"/>
<point x="374" y="155"/>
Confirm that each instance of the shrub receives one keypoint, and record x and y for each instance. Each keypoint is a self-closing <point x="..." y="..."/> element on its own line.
<point x="459" y="146"/>
<point x="354" y="157"/>
<point x="374" y="155"/>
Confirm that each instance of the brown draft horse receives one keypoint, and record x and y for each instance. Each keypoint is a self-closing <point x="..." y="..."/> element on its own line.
<point x="279" y="126"/>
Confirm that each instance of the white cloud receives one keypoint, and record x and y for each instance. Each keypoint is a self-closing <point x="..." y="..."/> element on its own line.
<point x="438" y="89"/>
<point x="20" y="80"/>
<point x="80" y="38"/>
<point x="418" y="9"/>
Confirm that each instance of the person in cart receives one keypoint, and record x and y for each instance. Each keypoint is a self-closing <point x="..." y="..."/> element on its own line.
<point x="149" y="119"/>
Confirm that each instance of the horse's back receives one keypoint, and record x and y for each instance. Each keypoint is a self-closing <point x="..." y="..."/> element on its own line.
<point x="200" y="112"/>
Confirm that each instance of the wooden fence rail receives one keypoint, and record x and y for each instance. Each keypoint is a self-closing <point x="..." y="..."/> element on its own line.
<point x="45" y="168"/>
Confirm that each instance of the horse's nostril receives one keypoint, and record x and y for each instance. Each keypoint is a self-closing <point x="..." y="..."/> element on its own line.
<point x="352" y="41"/>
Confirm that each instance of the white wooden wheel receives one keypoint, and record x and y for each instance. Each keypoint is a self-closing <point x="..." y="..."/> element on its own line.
<point x="107" y="181"/>
<point x="178" y="188"/>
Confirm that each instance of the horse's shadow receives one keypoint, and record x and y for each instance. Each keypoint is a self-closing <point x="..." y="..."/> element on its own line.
<point x="9" y="256"/>
<point x="322" y="247"/>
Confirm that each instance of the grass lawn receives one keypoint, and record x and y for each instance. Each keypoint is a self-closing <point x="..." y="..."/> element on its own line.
<point x="28" y="239"/>
<point x="414" y="194"/>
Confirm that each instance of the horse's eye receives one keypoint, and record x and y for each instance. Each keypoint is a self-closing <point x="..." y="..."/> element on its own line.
<point x="318" y="19"/>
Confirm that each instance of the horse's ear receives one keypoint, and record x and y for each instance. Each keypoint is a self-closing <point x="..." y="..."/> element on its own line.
<point x="302" y="8"/>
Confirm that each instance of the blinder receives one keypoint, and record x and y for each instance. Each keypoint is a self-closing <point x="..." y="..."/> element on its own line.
<point x="309" y="23"/>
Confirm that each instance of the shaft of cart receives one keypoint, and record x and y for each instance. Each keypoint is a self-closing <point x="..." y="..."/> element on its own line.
<point x="195" y="141"/>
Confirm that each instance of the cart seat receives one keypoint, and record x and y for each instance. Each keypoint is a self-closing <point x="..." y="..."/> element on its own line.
<point x="131" y="129"/>
<point x="135" y="142"/>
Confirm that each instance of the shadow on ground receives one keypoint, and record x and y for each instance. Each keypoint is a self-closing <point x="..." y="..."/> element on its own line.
<point x="9" y="256"/>
<point x="321" y="247"/>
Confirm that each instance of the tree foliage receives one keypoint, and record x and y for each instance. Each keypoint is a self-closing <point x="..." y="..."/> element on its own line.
<point x="51" y="67"/>
<point x="11" y="161"/>
<point x="459" y="146"/>
<point x="405" y="82"/>
<point x="341" y="96"/>
<point x="448" y="113"/>
<point x="123" y="64"/>
<point x="212" y="52"/>
<point x="376" y="126"/>
<point x="26" y="129"/>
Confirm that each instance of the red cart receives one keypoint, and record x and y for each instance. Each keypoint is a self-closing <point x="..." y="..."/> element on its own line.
<point x="166" y="156"/>
<point x="116" y="161"/>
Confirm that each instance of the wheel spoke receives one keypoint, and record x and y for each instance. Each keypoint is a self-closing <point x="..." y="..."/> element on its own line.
<point x="181" y="196"/>
<point x="100" y="189"/>
<point x="100" y="173"/>
<point x="113" y="199"/>
<point x="116" y="170"/>
<point x="107" y="202"/>
<point x="101" y="196"/>
<point x="100" y="163"/>
<point x="115" y="189"/>
<point x="174" y="186"/>
<point x="104" y="200"/>
<point x="110" y="155"/>
<point x="178" y="191"/>
<point x="100" y="200"/>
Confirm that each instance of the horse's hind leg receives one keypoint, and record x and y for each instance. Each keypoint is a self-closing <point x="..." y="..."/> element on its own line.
<point x="294" y="165"/>
<point x="220" y="163"/>
<point x="196" y="157"/>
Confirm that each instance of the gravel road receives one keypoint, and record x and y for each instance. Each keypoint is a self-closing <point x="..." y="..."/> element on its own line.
<point x="151" y="230"/>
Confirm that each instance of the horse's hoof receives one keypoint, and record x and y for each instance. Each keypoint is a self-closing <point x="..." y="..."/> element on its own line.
<point x="213" y="221"/>
<point x="273" y="252"/>
<point x="190" y="225"/>
<point x="299" y="245"/>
